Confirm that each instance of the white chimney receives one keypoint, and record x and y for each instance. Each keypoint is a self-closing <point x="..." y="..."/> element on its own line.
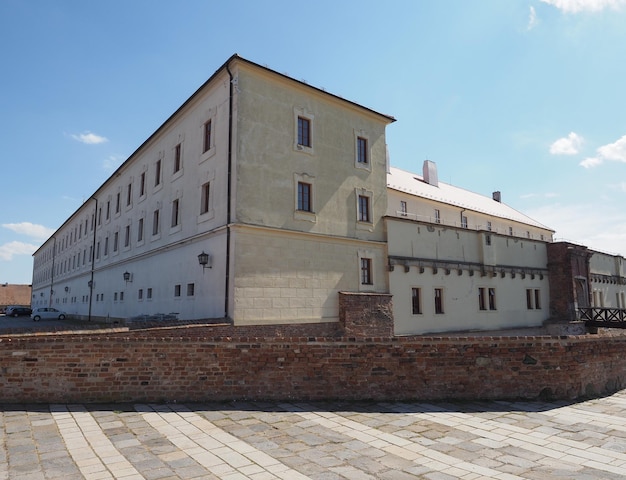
<point x="429" y="171"/>
<point x="497" y="196"/>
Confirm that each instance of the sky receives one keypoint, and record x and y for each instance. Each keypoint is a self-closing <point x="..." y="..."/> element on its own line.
<point x="526" y="97"/>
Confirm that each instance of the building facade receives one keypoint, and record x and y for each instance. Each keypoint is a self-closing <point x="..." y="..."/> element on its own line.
<point x="262" y="198"/>
<point x="280" y="184"/>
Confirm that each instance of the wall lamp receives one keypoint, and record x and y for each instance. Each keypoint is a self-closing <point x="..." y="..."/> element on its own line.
<point x="128" y="277"/>
<point x="204" y="259"/>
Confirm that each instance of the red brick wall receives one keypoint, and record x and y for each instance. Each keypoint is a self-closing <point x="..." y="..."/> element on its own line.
<point x="188" y="365"/>
<point x="566" y="262"/>
<point x="366" y="314"/>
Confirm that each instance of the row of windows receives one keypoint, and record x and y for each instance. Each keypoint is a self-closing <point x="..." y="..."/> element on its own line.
<point x="486" y="299"/>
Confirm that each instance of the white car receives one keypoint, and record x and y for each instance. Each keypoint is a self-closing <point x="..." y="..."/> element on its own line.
<point x="47" y="312"/>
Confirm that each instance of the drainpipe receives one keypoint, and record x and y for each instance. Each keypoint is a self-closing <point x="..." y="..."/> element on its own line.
<point x="229" y="194"/>
<point x="54" y="256"/>
<point x="93" y="256"/>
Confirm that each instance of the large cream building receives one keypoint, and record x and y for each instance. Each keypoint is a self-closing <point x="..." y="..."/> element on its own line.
<point x="280" y="183"/>
<point x="262" y="198"/>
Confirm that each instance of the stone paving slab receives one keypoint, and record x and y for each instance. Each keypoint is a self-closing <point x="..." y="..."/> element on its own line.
<point x="319" y="441"/>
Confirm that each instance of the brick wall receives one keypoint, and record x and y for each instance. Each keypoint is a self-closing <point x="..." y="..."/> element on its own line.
<point x="189" y="364"/>
<point x="366" y="314"/>
<point x="567" y="265"/>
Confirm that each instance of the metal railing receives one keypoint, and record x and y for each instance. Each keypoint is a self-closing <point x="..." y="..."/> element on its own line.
<point x="603" y="317"/>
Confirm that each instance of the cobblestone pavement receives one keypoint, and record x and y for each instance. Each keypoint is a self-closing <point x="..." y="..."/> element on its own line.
<point x="333" y="440"/>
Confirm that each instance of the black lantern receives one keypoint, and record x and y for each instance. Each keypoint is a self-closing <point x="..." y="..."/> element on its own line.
<point x="204" y="259"/>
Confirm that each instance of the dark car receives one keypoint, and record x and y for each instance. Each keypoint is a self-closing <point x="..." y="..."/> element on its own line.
<point x="17" y="311"/>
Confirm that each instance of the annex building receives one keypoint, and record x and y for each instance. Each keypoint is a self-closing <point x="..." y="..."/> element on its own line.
<point x="262" y="198"/>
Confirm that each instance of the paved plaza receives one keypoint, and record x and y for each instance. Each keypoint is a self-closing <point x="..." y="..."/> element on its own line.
<point x="334" y="440"/>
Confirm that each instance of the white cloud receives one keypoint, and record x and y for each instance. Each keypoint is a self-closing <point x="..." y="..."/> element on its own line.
<point x="569" y="145"/>
<point x="532" y="19"/>
<point x="30" y="229"/>
<point x="576" y="6"/>
<point x="540" y="195"/>
<point x="591" y="162"/>
<point x="112" y="162"/>
<point x="9" y="250"/>
<point x="614" y="151"/>
<point x="89" y="138"/>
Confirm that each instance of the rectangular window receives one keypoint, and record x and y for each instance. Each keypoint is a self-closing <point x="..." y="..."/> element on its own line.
<point x="117" y="203"/>
<point x="204" y="200"/>
<point x="127" y="236"/>
<point x="361" y="144"/>
<point x="129" y="194"/>
<point x="175" y="212"/>
<point x="437" y="216"/>
<point x="106" y="246"/>
<point x="537" y="299"/>
<point x="463" y="221"/>
<point x="304" y="132"/>
<point x="108" y="210"/>
<point x="121" y="296"/>
<point x="142" y="184"/>
<point x="366" y="271"/>
<point x="489" y="226"/>
<point x="482" y="304"/>
<point x="177" y="158"/>
<point x="115" y="296"/>
<point x="155" y="222"/>
<point x="364" y="209"/>
<point x="177" y="290"/>
<point x="416" y="301"/>
<point x="403" y="210"/>
<point x="149" y="295"/>
<point x="487" y="239"/>
<point x="140" y="294"/>
<point x="191" y="289"/>
<point x="492" y="299"/>
<point x="529" y="299"/>
<point x="116" y="237"/>
<point x="510" y="230"/>
<point x="304" y="197"/>
<point x="207" y="137"/>
<point x="140" y="230"/>
<point x="438" y="300"/>
<point x="157" y="173"/>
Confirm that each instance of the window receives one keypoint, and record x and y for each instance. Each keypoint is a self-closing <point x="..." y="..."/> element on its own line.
<point x="416" y="301"/>
<point x="175" y="212"/>
<point x="527" y="234"/>
<point x="482" y="304"/>
<point x="155" y="222"/>
<point x="304" y="197"/>
<point x="121" y="296"/>
<point x="157" y="173"/>
<point x="438" y="300"/>
<point x="463" y="221"/>
<point x="116" y="236"/>
<point x="108" y="209"/>
<point x="403" y="210"/>
<point x="361" y="151"/>
<point x="177" y="158"/>
<point x="364" y="209"/>
<point x="115" y="296"/>
<point x="304" y="132"/>
<point x="492" y="298"/>
<point x="140" y="294"/>
<point x="106" y="246"/>
<point x="489" y="226"/>
<point x="437" y="216"/>
<point x="142" y="184"/>
<point x="533" y="299"/>
<point x="204" y="201"/>
<point x="177" y="290"/>
<point x="140" y="230"/>
<point x="117" y="203"/>
<point x="537" y="299"/>
<point x="127" y="236"/>
<point x="149" y="293"/>
<point x="487" y="239"/>
<point x="366" y="271"/>
<point x="206" y="146"/>
<point x="129" y="194"/>
<point x="510" y="230"/>
<point x="191" y="289"/>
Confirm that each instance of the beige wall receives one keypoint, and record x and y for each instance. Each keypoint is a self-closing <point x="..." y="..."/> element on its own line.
<point x="282" y="277"/>
<point x="459" y="262"/>
<point x="608" y="273"/>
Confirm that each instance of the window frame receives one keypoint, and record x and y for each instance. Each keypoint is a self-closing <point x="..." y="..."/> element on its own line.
<point x="302" y="117"/>
<point x="439" y="301"/>
<point x="366" y="276"/>
<point x="416" y="301"/>
<point x="305" y="197"/>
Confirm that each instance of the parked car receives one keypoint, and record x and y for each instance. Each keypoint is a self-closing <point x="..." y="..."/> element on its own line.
<point x="47" y="313"/>
<point x="15" y="311"/>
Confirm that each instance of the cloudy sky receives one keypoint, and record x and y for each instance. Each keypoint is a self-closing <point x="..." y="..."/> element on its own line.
<point x="522" y="96"/>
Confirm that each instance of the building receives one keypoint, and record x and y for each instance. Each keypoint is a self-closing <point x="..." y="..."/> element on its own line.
<point x="280" y="184"/>
<point x="262" y="198"/>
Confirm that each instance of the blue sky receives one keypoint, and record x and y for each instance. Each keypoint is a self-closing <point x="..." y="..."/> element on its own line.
<point x="522" y="96"/>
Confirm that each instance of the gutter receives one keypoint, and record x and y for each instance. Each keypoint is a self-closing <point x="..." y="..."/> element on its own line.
<point x="229" y="194"/>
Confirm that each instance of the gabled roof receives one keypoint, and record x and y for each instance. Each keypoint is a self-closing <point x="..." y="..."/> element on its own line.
<point x="414" y="184"/>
